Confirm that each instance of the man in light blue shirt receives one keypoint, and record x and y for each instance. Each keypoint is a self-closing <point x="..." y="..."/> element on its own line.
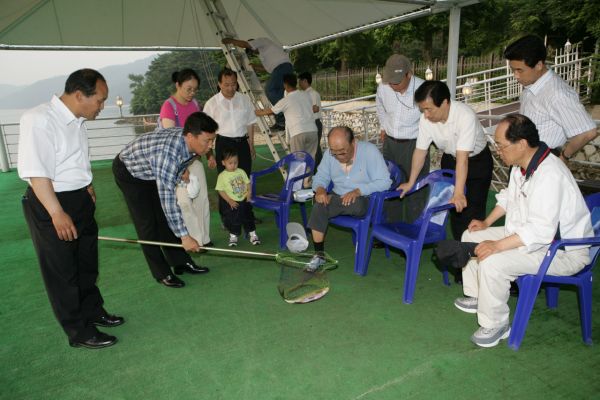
<point x="356" y="169"/>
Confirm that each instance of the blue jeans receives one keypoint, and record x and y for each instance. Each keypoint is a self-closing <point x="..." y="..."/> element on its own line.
<point x="274" y="88"/>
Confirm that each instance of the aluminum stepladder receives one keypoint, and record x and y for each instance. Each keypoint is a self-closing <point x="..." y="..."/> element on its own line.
<point x="247" y="79"/>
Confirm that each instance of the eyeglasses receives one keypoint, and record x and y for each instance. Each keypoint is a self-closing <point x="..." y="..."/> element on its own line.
<point x="498" y="147"/>
<point x="338" y="154"/>
<point x="191" y="90"/>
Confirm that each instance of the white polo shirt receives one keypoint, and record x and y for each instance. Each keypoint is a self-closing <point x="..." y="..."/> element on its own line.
<point x="297" y="108"/>
<point x="554" y="108"/>
<point x="398" y="114"/>
<point x="461" y="131"/>
<point x="53" y="144"/>
<point x="233" y="115"/>
<point x="316" y="101"/>
<point x="270" y="53"/>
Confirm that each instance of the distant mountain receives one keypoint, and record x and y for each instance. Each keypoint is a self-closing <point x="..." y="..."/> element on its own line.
<point x="7" y="90"/>
<point x="18" y="97"/>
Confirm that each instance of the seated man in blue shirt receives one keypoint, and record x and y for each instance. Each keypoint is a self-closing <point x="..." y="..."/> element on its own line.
<point x="356" y="169"/>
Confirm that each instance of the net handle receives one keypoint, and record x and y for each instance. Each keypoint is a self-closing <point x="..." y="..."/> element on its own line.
<point x="154" y="243"/>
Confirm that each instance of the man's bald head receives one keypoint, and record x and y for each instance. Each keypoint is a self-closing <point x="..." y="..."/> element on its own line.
<point x="340" y="133"/>
<point x="341" y="143"/>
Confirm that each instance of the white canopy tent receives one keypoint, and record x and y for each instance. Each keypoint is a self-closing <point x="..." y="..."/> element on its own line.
<point x="183" y="24"/>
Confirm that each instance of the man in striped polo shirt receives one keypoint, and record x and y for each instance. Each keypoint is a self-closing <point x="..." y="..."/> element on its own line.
<point x="553" y="105"/>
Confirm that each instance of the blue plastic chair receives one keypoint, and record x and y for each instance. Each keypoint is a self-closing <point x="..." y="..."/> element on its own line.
<point x="529" y="285"/>
<point x="299" y="165"/>
<point x="428" y="228"/>
<point x="360" y="226"/>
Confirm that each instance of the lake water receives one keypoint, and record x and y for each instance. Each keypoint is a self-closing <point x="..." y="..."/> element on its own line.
<point x="106" y="136"/>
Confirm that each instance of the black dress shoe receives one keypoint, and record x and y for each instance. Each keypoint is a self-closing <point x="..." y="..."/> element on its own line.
<point x="171" y="281"/>
<point x="108" y="320"/>
<point x="190" y="268"/>
<point x="97" y="341"/>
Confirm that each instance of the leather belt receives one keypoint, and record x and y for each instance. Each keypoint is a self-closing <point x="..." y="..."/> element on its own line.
<point x="235" y="139"/>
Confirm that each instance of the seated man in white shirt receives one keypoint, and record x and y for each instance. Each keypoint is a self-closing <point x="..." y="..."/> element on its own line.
<point x="541" y="198"/>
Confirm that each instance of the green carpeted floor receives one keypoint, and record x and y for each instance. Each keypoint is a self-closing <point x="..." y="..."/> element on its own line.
<point x="228" y="335"/>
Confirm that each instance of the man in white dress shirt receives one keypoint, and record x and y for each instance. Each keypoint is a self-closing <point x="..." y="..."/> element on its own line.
<point x="59" y="206"/>
<point x="305" y="83"/>
<point x="553" y="105"/>
<point x="541" y="198"/>
<point x="234" y="113"/>
<point x="276" y="61"/>
<point x="399" y="116"/>
<point x="298" y="108"/>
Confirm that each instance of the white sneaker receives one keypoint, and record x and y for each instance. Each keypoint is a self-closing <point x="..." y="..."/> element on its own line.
<point x="466" y="304"/>
<point x="254" y="238"/>
<point x="233" y="240"/>
<point x="490" y="337"/>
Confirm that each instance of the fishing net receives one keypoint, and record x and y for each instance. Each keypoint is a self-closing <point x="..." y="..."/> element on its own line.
<point x="297" y="282"/>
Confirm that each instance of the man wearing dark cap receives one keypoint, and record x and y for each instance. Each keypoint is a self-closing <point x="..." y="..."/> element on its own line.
<point x="398" y="116"/>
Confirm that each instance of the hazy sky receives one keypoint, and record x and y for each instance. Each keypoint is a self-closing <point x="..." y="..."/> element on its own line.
<point x="22" y="67"/>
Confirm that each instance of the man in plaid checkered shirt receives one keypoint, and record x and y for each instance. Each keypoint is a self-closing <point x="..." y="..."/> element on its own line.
<point x="147" y="171"/>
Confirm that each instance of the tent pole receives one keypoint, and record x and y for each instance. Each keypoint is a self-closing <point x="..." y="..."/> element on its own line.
<point x="453" y="36"/>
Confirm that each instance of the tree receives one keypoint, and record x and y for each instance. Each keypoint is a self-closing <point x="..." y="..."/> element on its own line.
<point x="155" y="86"/>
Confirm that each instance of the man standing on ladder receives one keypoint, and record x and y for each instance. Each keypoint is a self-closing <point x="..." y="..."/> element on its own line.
<point x="276" y="62"/>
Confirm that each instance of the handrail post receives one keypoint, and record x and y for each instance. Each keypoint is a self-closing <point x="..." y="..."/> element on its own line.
<point x="4" y="163"/>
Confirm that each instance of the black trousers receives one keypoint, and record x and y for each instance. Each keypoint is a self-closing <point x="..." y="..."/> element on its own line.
<point x="319" y="155"/>
<point x="245" y="163"/>
<point x="479" y="178"/>
<point x="235" y="218"/>
<point x="400" y="152"/>
<point x="320" y="214"/>
<point x="150" y="221"/>
<point x="69" y="269"/>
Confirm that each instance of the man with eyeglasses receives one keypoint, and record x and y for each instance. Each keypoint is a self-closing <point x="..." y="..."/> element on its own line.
<point x="542" y="198"/>
<point x="356" y="169"/>
<point x="399" y="123"/>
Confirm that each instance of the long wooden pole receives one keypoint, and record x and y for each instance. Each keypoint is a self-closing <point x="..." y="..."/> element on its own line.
<point x="153" y="243"/>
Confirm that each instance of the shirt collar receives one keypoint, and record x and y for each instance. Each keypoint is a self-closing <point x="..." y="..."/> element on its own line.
<point x="539" y="84"/>
<point x="222" y="98"/>
<point x="66" y="115"/>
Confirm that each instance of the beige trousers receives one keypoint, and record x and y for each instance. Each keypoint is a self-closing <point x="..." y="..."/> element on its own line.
<point x="196" y="212"/>
<point x="489" y="280"/>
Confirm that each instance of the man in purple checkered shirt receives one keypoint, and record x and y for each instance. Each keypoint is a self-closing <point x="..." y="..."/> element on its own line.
<point x="147" y="171"/>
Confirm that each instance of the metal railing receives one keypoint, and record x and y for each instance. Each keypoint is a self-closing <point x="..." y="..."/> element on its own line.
<point x="485" y="91"/>
<point x="106" y="137"/>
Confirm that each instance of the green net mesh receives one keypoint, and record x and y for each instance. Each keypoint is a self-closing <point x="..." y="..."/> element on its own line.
<point x="297" y="283"/>
<point x="302" y="260"/>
